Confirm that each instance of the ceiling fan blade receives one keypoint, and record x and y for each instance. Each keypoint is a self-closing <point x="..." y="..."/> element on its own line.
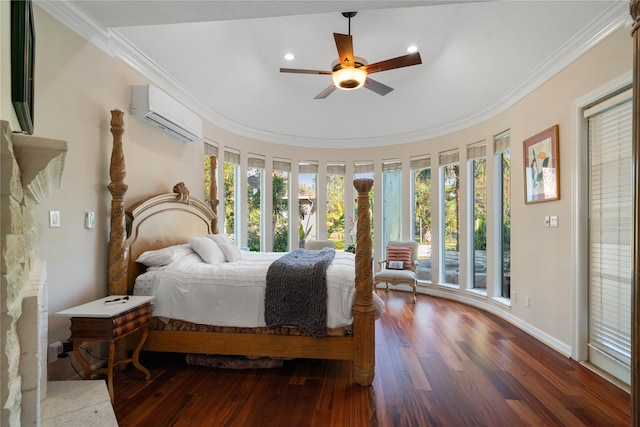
<point x="328" y="91"/>
<point x="344" y="43"/>
<point x="299" y="71"/>
<point x="377" y="87"/>
<point x="390" y="64"/>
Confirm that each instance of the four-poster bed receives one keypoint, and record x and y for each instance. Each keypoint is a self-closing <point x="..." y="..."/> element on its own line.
<point x="164" y="220"/>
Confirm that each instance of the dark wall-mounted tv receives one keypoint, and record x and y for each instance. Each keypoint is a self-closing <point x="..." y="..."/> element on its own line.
<point x="22" y="61"/>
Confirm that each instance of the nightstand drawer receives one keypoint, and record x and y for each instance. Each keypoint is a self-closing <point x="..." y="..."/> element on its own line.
<point x="94" y="328"/>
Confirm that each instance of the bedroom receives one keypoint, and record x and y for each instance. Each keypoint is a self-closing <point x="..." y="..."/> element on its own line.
<point x="77" y="84"/>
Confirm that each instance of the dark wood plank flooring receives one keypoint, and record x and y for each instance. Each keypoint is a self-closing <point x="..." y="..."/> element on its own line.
<point x="439" y="363"/>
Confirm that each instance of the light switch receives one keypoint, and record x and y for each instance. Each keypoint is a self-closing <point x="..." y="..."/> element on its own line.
<point x="89" y="219"/>
<point x="546" y="221"/>
<point x="54" y="219"/>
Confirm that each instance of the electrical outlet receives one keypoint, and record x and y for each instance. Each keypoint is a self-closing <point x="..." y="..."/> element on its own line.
<point x="54" y="350"/>
<point x="527" y="302"/>
<point x="553" y="221"/>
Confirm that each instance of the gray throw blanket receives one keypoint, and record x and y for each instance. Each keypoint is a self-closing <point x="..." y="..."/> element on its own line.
<point x="296" y="292"/>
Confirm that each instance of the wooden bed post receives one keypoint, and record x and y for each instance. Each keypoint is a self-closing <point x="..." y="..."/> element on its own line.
<point x="117" y="273"/>
<point x="363" y="310"/>
<point x="634" y="7"/>
<point x="213" y="193"/>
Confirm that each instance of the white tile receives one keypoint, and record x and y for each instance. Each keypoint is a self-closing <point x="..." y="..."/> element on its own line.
<point x="77" y="403"/>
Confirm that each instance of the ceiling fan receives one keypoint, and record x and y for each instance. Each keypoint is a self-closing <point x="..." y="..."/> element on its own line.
<point x="352" y="72"/>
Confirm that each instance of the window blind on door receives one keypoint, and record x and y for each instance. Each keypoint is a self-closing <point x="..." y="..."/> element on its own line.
<point x="610" y="230"/>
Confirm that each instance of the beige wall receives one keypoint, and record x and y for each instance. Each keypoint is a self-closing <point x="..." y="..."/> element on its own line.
<point x="77" y="85"/>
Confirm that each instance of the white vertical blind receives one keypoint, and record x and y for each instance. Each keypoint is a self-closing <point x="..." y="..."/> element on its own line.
<point x="610" y="231"/>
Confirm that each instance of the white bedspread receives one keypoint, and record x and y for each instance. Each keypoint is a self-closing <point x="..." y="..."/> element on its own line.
<point x="232" y="293"/>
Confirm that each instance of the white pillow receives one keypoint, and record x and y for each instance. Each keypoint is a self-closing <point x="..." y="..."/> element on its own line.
<point x="164" y="256"/>
<point x="231" y="252"/>
<point x="207" y="249"/>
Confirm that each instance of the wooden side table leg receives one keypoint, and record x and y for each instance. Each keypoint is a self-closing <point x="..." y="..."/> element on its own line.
<point x="110" y="366"/>
<point x="136" y="354"/>
<point x="83" y="362"/>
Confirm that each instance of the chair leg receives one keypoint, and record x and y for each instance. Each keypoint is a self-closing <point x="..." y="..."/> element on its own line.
<point x="415" y="291"/>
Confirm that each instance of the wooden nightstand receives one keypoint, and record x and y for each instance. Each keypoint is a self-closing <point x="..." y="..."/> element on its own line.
<point x="107" y="320"/>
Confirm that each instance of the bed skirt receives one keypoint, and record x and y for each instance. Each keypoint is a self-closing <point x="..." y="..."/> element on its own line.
<point x="180" y="325"/>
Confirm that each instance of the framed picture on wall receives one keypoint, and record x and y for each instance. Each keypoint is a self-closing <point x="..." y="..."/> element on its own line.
<point x="542" y="167"/>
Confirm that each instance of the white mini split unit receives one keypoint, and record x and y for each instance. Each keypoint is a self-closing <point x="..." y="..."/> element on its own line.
<point x="153" y="106"/>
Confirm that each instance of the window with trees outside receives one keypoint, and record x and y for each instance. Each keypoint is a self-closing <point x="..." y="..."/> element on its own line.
<point x="335" y="203"/>
<point x="477" y="160"/>
<point x="450" y="216"/>
<point x="360" y="170"/>
<point x="280" y="221"/>
<point x="421" y="214"/>
<point x="231" y="182"/>
<point x="307" y="190"/>
<point x="503" y="160"/>
<point x="255" y="203"/>
<point x="391" y="201"/>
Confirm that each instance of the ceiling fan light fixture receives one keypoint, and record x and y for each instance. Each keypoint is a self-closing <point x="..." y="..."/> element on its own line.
<point x="349" y="78"/>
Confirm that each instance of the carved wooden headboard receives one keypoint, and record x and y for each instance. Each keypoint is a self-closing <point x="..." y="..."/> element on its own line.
<point x="155" y="222"/>
<point x="161" y="221"/>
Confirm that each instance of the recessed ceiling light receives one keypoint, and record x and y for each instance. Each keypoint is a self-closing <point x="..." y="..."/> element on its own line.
<point x="412" y="49"/>
<point x="289" y="57"/>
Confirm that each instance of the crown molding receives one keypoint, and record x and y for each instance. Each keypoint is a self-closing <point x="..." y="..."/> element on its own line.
<point x="117" y="46"/>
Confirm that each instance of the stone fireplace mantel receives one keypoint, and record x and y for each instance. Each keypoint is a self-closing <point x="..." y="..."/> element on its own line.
<point x="31" y="170"/>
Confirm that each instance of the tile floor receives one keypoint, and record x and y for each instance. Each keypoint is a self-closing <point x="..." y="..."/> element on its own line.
<point x="77" y="404"/>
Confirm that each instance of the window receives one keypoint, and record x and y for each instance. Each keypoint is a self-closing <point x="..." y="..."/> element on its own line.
<point x="255" y="205"/>
<point x="391" y="201"/>
<point x="231" y="205"/>
<point x="611" y="234"/>
<point x="502" y="149"/>
<point x="421" y="214"/>
<point x="281" y="189"/>
<point x="335" y="203"/>
<point x="476" y="156"/>
<point x="307" y="187"/>
<point x="450" y="215"/>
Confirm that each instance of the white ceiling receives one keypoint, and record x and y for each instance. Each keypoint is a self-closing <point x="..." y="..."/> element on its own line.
<point x="478" y="58"/>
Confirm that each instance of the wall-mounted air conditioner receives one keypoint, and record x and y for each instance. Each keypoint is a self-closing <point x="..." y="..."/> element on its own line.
<point x="155" y="107"/>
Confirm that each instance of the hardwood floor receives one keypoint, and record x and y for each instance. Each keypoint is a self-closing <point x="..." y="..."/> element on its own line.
<point x="438" y="363"/>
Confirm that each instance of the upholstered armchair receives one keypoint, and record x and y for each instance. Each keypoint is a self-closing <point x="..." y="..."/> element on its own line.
<point x="399" y="265"/>
<point x="316" y="245"/>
